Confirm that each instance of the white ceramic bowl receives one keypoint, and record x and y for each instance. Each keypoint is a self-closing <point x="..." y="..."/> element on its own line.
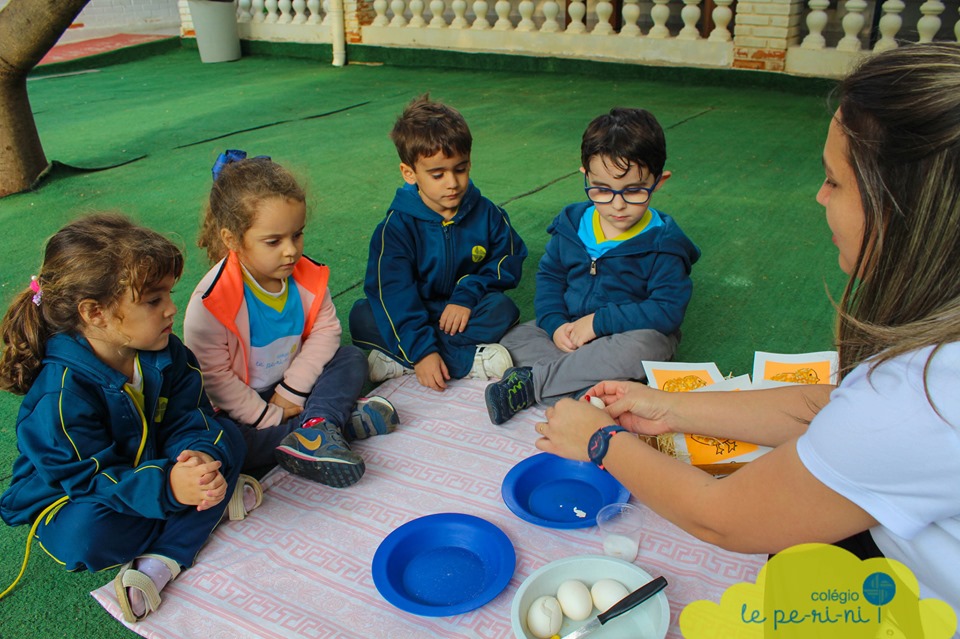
<point x="649" y="620"/>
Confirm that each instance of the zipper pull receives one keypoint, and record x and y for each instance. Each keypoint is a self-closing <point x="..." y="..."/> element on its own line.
<point x="593" y="267"/>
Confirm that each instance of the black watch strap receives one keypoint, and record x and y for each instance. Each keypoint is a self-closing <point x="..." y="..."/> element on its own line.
<point x="600" y="442"/>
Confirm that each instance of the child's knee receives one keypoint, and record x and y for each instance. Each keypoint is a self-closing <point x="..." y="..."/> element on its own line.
<point x="502" y="307"/>
<point x="355" y="361"/>
<point x="361" y="319"/>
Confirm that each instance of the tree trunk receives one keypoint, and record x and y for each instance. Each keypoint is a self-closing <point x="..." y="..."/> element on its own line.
<point x="28" y="30"/>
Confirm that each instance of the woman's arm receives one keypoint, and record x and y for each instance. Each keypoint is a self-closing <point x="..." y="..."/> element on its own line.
<point x="768" y="417"/>
<point x="768" y="505"/>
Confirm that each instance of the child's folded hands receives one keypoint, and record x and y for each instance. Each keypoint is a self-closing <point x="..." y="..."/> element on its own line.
<point x="196" y="480"/>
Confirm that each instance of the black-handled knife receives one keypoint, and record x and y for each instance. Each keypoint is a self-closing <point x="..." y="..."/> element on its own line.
<point x="629" y="602"/>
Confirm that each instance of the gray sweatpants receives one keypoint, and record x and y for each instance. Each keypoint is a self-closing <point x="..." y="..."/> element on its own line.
<point x="557" y="374"/>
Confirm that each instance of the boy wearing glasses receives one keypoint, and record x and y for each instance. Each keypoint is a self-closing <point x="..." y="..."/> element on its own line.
<point x="439" y="262"/>
<point x="614" y="282"/>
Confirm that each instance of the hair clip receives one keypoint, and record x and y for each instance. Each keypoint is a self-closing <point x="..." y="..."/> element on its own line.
<point x="229" y="156"/>
<point x="35" y="287"/>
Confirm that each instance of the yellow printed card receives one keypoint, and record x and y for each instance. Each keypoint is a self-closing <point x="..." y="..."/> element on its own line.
<point x="771" y="369"/>
<point x="679" y="376"/>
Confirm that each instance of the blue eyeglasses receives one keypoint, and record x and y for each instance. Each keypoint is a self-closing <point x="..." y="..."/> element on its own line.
<point x="630" y="195"/>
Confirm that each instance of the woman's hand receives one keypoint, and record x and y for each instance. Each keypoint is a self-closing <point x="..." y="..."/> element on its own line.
<point x="568" y="428"/>
<point x="636" y="407"/>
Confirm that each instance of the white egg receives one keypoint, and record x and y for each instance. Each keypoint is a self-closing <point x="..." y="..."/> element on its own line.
<point x="544" y="617"/>
<point x="575" y="600"/>
<point x="607" y="592"/>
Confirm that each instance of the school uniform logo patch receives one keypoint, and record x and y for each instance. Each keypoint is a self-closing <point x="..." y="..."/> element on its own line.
<point x="478" y="253"/>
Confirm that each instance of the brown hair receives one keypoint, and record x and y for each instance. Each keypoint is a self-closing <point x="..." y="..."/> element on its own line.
<point x="235" y="196"/>
<point x="625" y="136"/>
<point x="99" y="257"/>
<point x="427" y="127"/>
<point x="900" y="112"/>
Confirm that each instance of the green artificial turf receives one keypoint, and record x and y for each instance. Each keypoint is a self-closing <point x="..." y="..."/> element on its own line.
<point x="140" y="137"/>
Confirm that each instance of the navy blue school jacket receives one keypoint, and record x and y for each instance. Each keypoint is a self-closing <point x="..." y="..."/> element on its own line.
<point x="420" y="262"/>
<point x="642" y="283"/>
<point x="81" y="435"/>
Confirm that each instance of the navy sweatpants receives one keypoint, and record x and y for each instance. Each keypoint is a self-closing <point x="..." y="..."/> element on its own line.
<point x="489" y="320"/>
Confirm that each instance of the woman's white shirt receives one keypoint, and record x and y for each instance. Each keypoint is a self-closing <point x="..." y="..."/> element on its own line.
<point x="881" y="444"/>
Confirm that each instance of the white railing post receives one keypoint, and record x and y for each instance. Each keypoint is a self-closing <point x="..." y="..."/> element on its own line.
<point x="604" y="10"/>
<point x="398" y="7"/>
<point x="577" y="10"/>
<point x="286" y="12"/>
<point x="889" y="25"/>
<point x="690" y="14"/>
<point x="929" y="24"/>
<point x="244" y="14"/>
<point x="660" y="14"/>
<point x="272" y="12"/>
<point x="502" y="9"/>
<point x="300" y="11"/>
<point x="459" y="12"/>
<point x="480" y="8"/>
<point x="313" y="6"/>
<point x="550" y="12"/>
<point x="631" y="13"/>
<point x="526" y="9"/>
<point x="437" y="7"/>
<point x="417" y="20"/>
<point x="380" y="7"/>
<point x="852" y="24"/>
<point x="816" y="22"/>
<point x="257" y="10"/>
<point x="722" y="15"/>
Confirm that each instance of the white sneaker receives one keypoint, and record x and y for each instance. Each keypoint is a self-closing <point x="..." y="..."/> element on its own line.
<point x="490" y="362"/>
<point x="383" y="367"/>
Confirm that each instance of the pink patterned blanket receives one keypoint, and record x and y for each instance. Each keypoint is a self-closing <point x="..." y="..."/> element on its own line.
<point x="299" y="566"/>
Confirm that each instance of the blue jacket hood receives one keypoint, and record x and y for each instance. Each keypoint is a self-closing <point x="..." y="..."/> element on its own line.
<point x="408" y="201"/>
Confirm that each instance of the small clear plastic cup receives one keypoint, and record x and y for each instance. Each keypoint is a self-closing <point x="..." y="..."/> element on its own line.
<point x="621" y="526"/>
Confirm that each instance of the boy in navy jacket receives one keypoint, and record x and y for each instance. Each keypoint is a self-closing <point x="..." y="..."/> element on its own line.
<point x="614" y="282"/>
<point x="439" y="262"/>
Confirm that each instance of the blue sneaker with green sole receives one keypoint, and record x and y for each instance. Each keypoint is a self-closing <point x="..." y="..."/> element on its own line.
<point x="510" y="395"/>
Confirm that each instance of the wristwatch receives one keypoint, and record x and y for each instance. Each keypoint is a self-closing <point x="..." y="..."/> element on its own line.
<point x="600" y="441"/>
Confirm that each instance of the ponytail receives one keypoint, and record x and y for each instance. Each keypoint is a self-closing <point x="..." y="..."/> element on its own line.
<point x="24" y="333"/>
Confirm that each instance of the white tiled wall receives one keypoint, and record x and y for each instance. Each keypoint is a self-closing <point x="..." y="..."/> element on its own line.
<point x="106" y="17"/>
<point x="110" y="13"/>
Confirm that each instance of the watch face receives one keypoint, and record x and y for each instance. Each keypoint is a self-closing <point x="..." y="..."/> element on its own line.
<point x="597" y="446"/>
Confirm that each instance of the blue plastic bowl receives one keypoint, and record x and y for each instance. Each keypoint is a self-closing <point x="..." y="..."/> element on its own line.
<point x="444" y="564"/>
<point x="554" y="492"/>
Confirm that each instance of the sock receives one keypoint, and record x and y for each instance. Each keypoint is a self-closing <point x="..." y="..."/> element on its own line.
<point x="159" y="574"/>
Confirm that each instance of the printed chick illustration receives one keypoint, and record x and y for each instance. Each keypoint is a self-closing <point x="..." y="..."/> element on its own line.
<point x="683" y="384"/>
<point x="799" y="376"/>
